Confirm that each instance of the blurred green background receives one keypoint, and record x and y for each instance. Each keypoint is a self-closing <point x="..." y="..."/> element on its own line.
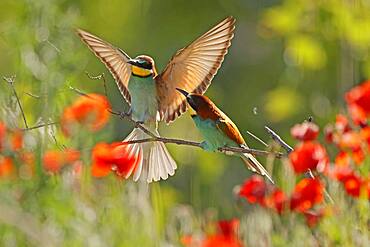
<point x="289" y="60"/>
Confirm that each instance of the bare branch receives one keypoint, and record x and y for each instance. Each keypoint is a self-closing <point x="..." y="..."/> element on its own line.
<point x="279" y="140"/>
<point x="257" y="138"/>
<point x="39" y="126"/>
<point x="155" y="138"/>
<point x="124" y="115"/>
<point x="99" y="77"/>
<point x="10" y="81"/>
<point x="78" y="91"/>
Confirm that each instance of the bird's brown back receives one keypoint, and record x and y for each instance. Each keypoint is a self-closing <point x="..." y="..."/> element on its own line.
<point x="208" y="110"/>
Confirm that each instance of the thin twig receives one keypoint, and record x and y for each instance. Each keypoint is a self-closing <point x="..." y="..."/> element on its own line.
<point x="52" y="45"/>
<point x="309" y="174"/>
<point x="10" y="81"/>
<point x="279" y="140"/>
<point x="60" y="146"/>
<point x="78" y="91"/>
<point x="257" y="138"/>
<point x="33" y="95"/>
<point x="39" y="126"/>
<point x="99" y="77"/>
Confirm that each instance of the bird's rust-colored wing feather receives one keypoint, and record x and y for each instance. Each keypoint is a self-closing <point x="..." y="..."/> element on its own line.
<point x="230" y="129"/>
<point x="113" y="58"/>
<point x="192" y="69"/>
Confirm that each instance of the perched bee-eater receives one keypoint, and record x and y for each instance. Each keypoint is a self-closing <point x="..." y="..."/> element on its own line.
<point x="218" y="130"/>
<point x="153" y="97"/>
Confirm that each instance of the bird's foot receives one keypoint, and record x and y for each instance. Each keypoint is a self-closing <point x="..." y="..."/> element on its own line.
<point x="227" y="152"/>
<point x="126" y="114"/>
<point x="129" y="112"/>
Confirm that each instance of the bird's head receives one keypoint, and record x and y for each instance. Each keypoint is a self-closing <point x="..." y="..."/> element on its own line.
<point x="196" y="101"/>
<point x="142" y="66"/>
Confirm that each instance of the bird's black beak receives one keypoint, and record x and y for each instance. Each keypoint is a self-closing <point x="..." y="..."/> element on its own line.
<point x="183" y="92"/>
<point x="189" y="98"/>
<point x="133" y="62"/>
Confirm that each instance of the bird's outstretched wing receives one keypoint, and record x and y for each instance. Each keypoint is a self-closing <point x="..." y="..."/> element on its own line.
<point x="192" y="69"/>
<point x="114" y="59"/>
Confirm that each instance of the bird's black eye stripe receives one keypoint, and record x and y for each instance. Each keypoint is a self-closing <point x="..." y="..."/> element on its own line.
<point x="145" y="64"/>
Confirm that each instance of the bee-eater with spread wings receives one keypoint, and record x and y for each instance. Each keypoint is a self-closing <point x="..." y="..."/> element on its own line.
<point x="153" y="97"/>
<point x="218" y="130"/>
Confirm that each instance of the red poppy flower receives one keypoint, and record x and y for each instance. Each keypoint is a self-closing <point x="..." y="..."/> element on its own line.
<point x="254" y="190"/>
<point x="101" y="160"/>
<point x="277" y="200"/>
<point x="352" y="185"/>
<point x="342" y="123"/>
<point x="6" y="166"/>
<point x="350" y="180"/>
<point x="306" y="131"/>
<point x="226" y="235"/>
<point x="228" y="228"/>
<point x="367" y="187"/>
<point x="220" y="241"/>
<point x="329" y="133"/>
<point x="90" y="110"/>
<point x="188" y="240"/>
<point x="358" y="100"/>
<point x="333" y="133"/>
<point x="365" y="135"/>
<point x="54" y="160"/>
<point x="350" y="139"/>
<point x="2" y="135"/>
<point x="358" y="155"/>
<point x="312" y="217"/>
<point x="358" y="115"/>
<point x="113" y="157"/>
<point x="17" y="140"/>
<point x="309" y="155"/>
<point x="27" y="169"/>
<point x="342" y="159"/>
<point x="353" y="143"/>
<point x="340" y="173"/>
<point x="306" y="194"/>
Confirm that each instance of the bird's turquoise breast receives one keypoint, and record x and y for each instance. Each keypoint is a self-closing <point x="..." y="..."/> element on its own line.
<point x="143" y="93"/>
<point x="214" y="138"/>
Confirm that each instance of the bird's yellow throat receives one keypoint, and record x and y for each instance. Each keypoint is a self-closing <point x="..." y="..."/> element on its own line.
<point x="140" y="71"/>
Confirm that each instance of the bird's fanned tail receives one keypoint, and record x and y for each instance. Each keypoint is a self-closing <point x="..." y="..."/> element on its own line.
<point x="254" y="165"/>
<point x="154" y="163"/>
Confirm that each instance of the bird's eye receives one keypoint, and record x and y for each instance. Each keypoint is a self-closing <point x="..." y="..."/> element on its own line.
<point x="145" y="64"/>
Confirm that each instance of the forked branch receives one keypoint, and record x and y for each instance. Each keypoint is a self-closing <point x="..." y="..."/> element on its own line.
<point x="155" y="138"/>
